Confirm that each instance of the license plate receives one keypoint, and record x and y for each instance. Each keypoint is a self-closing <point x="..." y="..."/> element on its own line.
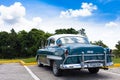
<point x="94" y="64"/>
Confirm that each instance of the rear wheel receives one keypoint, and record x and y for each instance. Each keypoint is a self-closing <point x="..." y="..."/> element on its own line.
<point x="56" y="70"/>
<point x="39" y="62"/>
<point x="93" y="70"/>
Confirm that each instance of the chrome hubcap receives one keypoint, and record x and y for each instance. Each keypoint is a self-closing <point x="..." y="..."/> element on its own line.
<point x="55" y="69"/>
<point x="38" y="61"/>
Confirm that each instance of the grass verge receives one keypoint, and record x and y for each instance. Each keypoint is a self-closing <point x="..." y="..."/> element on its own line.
<point x="26" y="60"/>
<point x="29" y="60"/>
<point x="116" y="60"/>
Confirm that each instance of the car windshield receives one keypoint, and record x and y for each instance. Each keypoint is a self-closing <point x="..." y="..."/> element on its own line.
<point x="73" y="39"/>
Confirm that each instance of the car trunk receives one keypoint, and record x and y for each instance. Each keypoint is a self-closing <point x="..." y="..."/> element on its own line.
<point x="89" y="52"/>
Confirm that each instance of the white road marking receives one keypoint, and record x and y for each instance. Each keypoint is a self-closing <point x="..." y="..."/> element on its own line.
<point x="31" y="73"/>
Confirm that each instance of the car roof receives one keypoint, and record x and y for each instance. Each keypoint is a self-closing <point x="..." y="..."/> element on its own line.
<point x="57" y="36"/>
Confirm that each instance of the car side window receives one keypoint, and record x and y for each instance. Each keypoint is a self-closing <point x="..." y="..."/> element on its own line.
<point x="51" y="42"/>
<point x="46" y="43"/>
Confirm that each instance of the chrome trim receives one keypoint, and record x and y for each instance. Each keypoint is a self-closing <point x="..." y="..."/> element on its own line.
<point x="94" y="61"/>
<point x="54" y="57"/>
<point x="105" y="57"/>
<point x="77" y="66"/>
<point x="82" y="56"/>
<point x="83" y="62"/>
<point x="70" y="66"/>
<point x="86" y="55"/>
<point x="109" y="64"/>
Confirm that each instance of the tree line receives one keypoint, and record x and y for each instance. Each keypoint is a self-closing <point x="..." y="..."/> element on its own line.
<point x="25" y="44"/>
<point x="21" y="44"/>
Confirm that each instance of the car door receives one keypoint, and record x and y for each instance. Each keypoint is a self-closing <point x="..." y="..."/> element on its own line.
<point x="49" y="49"/>
<point x="44" y="52"/>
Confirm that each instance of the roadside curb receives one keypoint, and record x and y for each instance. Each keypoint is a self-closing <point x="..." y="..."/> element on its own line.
<point x="17" y="61"/>
<point x="115" y="65"/>
<point x="34" y="63"/>
<point x="22" y="62"/>
<point x="27" y="64"/>
<point x="9" y="61"/>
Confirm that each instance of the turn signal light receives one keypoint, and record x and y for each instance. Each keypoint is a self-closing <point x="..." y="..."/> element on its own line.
<point x="66" y="52"/>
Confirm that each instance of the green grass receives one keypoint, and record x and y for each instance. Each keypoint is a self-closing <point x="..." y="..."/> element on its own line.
<point x="28" y="60"/>
<point x="116" y="60"/>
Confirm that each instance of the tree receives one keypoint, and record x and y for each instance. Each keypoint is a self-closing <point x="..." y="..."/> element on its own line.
<point x="14" y="43"/>
<point x="118" y="45"/>
<point x="66" y="31"/>
<point x="82" y="32"/>
<point x="24" y="41"/>
<point x="21" y="44"/>
<point x="100" y="43"/>
<point x="116" y="51"/>
<point x="4" y="39"/>
<point x="4" y="44"/>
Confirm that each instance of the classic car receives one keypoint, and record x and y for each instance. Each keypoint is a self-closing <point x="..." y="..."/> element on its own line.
<point x="70" y="51"/>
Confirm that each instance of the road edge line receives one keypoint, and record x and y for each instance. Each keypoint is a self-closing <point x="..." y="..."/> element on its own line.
<point x="31" y="73"/>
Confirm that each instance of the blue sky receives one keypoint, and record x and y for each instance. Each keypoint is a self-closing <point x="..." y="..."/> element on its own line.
<point x="108" y="9"/>
<point x="98" y="17"/>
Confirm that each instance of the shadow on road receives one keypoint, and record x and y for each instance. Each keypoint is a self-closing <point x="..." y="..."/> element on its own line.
<point x="45" y="73"/>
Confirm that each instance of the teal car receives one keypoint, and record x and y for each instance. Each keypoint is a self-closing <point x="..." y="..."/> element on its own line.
<point x="69" y="51"/>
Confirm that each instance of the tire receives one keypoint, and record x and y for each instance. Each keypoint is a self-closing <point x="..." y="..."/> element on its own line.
<point x="39" y="62"/>
<point x="93" y="70"/>
<point x="56" y="70"/>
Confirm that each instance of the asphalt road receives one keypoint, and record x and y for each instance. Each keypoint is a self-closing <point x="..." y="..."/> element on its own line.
<point x="15" y="71"/>
<point x="45" y="73"/>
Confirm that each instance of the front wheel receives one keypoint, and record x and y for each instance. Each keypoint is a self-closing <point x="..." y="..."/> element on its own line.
<point x="56" y="70"/>
<point x="93" y="70"/>
<point x="39" y="62"/>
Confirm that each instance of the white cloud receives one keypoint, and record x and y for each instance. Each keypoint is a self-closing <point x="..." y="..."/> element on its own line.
<point x="37" y="20"/>
<point x="110" y="36"/>
<point x="13" y="13"/>
<point x="86" y="10"/>
<point x="111" y="24"/>
<point x="13" y="16"/>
